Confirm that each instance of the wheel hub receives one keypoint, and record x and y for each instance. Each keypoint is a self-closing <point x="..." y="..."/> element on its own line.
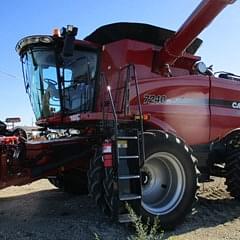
<point x="146" y="176"/>
<point x="163" y="183"/>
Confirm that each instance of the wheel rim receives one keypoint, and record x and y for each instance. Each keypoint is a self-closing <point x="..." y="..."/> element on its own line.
<point x="163" y="183"/>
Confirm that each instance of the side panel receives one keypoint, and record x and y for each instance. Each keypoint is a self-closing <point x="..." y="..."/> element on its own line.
<point x="180" y="102"/>
<point x="225" y="106"/>
<point x="117" y="55"/>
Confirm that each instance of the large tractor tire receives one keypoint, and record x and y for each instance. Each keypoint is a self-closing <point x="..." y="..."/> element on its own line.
<point x="73" y="181"/>
<point x="169" y="179"/>
<point x="233" y="173"/>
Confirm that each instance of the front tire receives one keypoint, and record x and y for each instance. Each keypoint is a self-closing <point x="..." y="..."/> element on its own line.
<point x="169" y="179"/>
<point x="95" y="180"/>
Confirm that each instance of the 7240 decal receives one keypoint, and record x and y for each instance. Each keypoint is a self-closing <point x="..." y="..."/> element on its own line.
<point x="154" y="99"/>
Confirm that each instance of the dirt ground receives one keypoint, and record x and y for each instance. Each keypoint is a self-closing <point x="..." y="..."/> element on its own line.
<point x="40" y="211"/>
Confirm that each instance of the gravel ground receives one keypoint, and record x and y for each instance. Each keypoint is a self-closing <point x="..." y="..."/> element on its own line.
<point x="40" y="211"/>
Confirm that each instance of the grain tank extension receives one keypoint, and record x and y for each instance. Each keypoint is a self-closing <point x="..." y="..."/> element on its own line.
<point x="130" y="115"/>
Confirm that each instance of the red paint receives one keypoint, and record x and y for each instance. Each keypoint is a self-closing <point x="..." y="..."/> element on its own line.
<point x="192" y="119"/>
<point x="224" y="119"/>
<point x="9" y="140"/>
<point x="185" y="107"/>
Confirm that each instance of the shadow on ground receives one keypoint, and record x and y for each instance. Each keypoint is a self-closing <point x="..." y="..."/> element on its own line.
<point x="209" y="213"/>
<point x="52" y="214"/>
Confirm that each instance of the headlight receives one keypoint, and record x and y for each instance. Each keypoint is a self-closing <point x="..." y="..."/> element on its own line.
<point x="32" y="40"/>
<point x="200" y="67"/>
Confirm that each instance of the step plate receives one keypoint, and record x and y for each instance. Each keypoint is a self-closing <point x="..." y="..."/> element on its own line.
<point x="126" y="177"/>
<point x="130" y="196"/>
<point x="128" y="138"/>
<point x="128" y="157"/>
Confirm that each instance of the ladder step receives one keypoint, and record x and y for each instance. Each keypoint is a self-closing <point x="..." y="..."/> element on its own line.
<point x="127" y="137"/>
<point x="125" y="177"/>
<point x="124" y="218"/>
<point x="128" y="157"/>
<point x="129" y="196"/>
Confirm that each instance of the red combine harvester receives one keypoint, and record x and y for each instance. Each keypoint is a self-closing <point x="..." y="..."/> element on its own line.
<point x="135" y="114"/>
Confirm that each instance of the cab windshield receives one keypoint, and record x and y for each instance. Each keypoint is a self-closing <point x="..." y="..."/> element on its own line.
<point x="55" y="86"/>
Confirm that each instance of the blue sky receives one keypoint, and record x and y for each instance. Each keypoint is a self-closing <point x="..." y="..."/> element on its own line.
<point x="221" y="46"/>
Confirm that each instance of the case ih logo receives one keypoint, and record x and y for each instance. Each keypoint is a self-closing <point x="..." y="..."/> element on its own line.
<point x="236" y="105"/>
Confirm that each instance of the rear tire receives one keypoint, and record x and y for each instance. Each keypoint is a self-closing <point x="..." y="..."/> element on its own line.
<point x="169" y="179"/>
<point x="233" y="173"/>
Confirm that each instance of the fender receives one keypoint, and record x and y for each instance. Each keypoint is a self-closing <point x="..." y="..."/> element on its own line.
<point x="230" y="134"/>
<point x="159" y="124"/>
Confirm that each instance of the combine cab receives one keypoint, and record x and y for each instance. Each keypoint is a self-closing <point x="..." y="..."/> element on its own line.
<point x="136" y="117"/>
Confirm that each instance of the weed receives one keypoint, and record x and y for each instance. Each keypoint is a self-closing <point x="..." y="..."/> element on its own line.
<point x="96" y="236"/>
<point x="144" y="231"/>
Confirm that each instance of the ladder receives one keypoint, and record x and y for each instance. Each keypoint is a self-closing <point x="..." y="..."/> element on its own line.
<point x="129" y="156"/>
<point x="128" y="174"/>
